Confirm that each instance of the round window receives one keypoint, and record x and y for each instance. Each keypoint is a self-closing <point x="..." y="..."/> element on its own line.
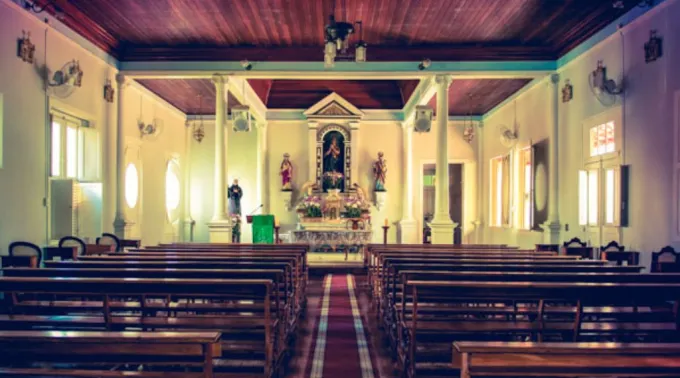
<point x="172" y="191"/>
<point x="131" y="185"/>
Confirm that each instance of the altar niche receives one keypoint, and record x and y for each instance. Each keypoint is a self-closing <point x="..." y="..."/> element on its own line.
<point x="333" y="154"/>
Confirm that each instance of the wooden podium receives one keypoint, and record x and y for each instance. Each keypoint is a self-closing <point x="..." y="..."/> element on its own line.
<point x="263" y="228"/>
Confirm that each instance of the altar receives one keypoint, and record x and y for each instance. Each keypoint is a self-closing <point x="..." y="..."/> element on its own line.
<point x="334" y="238"/>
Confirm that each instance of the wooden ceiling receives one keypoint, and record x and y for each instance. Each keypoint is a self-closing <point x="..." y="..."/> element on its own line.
<point x="292" y="30"/>
<point x="191" y="96"/>
<point x="364" y="94"/>
<point x="197" y="96"/>
<point x="478" y="96"/>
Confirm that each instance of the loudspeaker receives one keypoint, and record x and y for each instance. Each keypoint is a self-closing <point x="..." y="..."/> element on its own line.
<point x="423" y="119"/>
<point x="241" y="118"/>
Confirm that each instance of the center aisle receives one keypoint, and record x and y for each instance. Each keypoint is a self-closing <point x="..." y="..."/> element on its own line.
<point x="339" y="345"/>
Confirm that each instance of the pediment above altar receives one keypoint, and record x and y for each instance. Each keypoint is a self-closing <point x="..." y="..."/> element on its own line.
<point x="333" y="106"/>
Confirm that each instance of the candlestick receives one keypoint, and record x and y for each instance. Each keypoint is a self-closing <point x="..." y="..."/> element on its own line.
<point x="276" y="235"/>
<point x="385" y="228"/>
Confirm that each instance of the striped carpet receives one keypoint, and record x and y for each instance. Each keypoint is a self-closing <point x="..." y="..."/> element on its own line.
<point x="339" y="348"/>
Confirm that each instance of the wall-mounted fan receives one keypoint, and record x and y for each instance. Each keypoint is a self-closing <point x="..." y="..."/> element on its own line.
<point x="65" y="81"/>
<point x="241" y="117"/>
<point x="604" y="88"/>
<point x="150" y="131"/>
<point x="508" y="137"/>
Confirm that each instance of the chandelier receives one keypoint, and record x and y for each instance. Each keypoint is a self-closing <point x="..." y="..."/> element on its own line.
<point x="199" y="132"/>
<point x="468" y="124"/>
<point x="337" y="41"/>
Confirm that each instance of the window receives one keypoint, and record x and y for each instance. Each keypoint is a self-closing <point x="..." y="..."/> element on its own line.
<point x="526" y="207"/>
<point x="500" y="191"/>
<point x="602" y="139"/>
<point x="607" y="201"/>
<point x="75" y="151"/>
<point x="131" y="185"/>
<point x="172" y="190"/>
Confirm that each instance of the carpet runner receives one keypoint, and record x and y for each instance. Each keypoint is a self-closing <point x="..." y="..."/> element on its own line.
<point x="340" y="348"/>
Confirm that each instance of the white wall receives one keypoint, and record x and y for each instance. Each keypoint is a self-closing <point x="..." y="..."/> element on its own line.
<point x="647" y="128"/>
<point x="23" y="175"/>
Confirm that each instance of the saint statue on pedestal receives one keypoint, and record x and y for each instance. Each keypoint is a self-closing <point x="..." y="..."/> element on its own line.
<point x="234" y="194"/>
<point x="380" y="173"/>
<point x="286" y="172"/>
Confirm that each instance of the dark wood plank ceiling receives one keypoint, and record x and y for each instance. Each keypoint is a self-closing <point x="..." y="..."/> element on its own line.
<point x="478" y="96"/>
<point x="292" y="30"/>
<point x="191" y="96"/>
<point x="364" y="94"/>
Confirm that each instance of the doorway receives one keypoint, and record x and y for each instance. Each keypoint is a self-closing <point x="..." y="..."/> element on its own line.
<point x="455" y="199"/>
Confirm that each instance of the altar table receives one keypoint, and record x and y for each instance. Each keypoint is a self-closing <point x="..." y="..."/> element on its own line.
<point x="333" y="238"/>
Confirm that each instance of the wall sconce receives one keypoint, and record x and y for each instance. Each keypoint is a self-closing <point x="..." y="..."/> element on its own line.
<point x="653" y="47"/>
<point x="26" y="48"/>
<point x="567" y="91"/>
<point x="109" y="92"/>
<point x="246" y="65"/>
<point x="424" y="64"/>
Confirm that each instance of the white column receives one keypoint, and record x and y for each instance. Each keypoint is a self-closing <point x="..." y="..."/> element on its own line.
<point x="311" y="147"/>
<point x="441" y="225"/>
<point x="262" y="159"/>
<point x="480" y="184"/>
<point x="553" y="225"/>
<point x="354" y="160"/>
<point x="408" y="224"/>
<point x="220" y="225"/>
<point x="120" y="224"/>
<point x="188" y="234"/>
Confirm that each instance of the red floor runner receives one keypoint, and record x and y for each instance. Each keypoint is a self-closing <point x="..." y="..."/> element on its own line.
<point x="335" y="350"/>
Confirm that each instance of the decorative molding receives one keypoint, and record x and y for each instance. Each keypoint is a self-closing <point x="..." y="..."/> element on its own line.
<point x="109" y="92"/>
<point x="567" y="91"/>
<point x="333" y="106"/>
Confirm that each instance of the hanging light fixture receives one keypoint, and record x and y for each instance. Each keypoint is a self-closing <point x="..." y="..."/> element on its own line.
<point x="337" y="41"/>
<point x="469" y="127"/>
<point x="199" y="132"/>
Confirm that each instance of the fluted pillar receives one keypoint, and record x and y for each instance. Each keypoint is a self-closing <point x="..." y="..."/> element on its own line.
<point x="553" y="227"/>
<point x="262" y="182"/>
<point x="407" y="224"/>
<point x="441" y="225"/>
<point x="120" y="224"/>
<point x="188" y="222"/>
<point x="220" y="225"/>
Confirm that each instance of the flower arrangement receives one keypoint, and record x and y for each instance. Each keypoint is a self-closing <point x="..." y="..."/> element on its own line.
<point x="354" y="207"/>
<point x="310" y="207"/>
<point x="235" y="228"/>
<point x="333" y="180"/>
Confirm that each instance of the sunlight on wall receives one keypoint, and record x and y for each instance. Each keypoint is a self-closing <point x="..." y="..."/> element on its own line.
<point x="172" y="190"/>
<point x="131" y="185"/>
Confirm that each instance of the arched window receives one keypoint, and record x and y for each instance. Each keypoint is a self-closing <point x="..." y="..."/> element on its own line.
<point x="131" y="185"/>
<point x="172" y="190"/>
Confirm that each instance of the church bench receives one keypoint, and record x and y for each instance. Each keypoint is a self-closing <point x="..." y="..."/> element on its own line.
<point x="185" y="301"/>
<point x="423" y="336"/>
<point x="285" y="311"/>
<point x="297" y="289"/>
<point x="88" y="354"/>
<point x="528" y="359"/>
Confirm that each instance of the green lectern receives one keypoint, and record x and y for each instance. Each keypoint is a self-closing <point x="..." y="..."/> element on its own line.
<point x="263" y="228"/>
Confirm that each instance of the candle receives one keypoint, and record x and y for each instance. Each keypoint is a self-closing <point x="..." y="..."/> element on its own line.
<point x="386" y="222"/>
<point x="276" y="222"/>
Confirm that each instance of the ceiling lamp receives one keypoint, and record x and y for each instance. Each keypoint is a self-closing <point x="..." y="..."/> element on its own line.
<point x="337" y="41"/>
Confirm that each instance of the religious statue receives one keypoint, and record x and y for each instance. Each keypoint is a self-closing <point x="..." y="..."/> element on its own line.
<point x="380" y="173"/>
<point x="234" y="194"/>
<point x="333" y="166"/>
<point x="286" y="172"/>
<point x="361" y="193"/>
<point x="308" y="188"/>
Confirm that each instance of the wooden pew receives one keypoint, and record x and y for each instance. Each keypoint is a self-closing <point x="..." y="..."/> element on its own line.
<point x="501" y="359"/>
<point x="428" y="326"/>
<point x="45" y="353"/>
<point x="250" y="343"/>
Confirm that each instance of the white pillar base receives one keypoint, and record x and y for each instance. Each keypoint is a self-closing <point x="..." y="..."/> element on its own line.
<point x="551" y="232"/>
<point x="442" y="231"/>
<point x="121" y="227"/>
<point x="409" y="231"/>
<point x="220" y="231"/>
<point x="188" y="229"/>
<point x="286" y="197"/>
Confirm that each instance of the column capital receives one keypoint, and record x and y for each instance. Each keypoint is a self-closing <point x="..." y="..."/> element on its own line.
<point x="407" y="125"/>
<point x="122" y="80"/>
<point x="555" y="78"/>
<point x="443" y="79"/>
<point x="218" y="79"/>
<point x="312" y="124"/>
